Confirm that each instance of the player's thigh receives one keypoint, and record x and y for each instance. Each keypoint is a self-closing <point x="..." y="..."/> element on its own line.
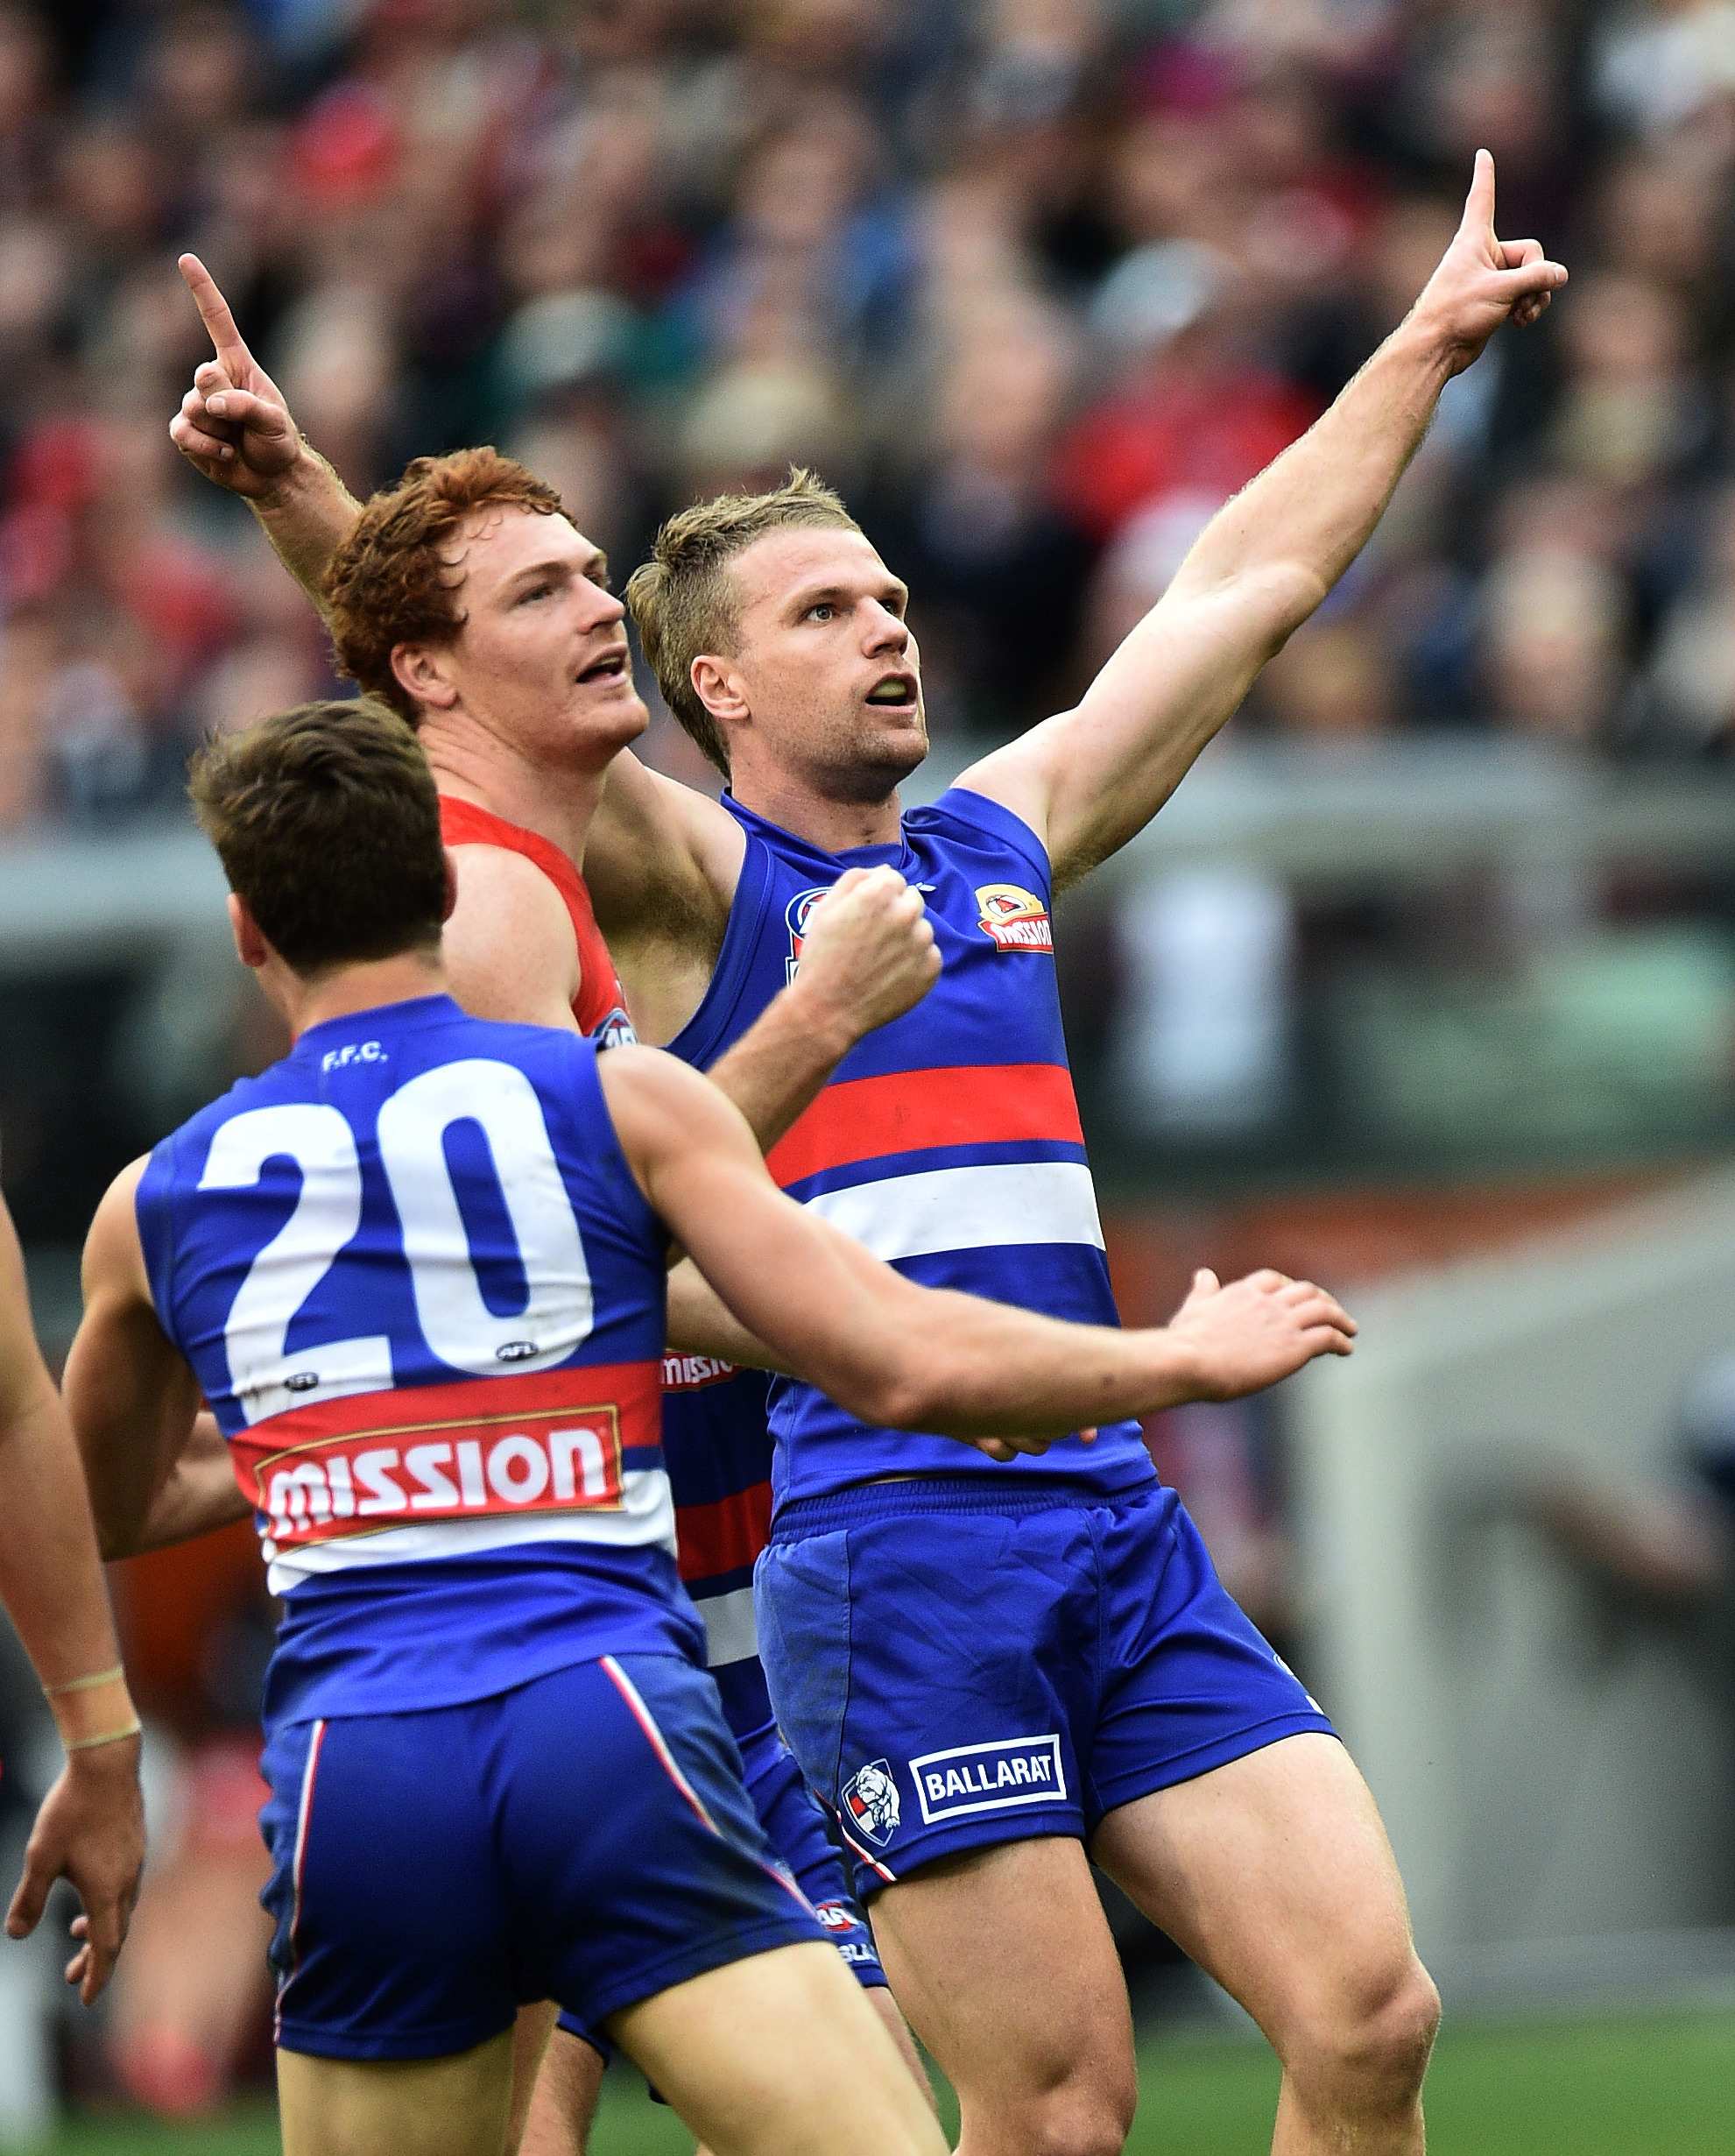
<point x="454" y="2106"/>
<point x="1274" y="1873"/>
<point x="779" y="2055"/>
<point x="1003" y="1960"/>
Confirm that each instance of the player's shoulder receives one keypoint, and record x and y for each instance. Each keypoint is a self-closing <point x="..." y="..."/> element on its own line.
<point x="512" y="874"/>
<point x="962" y="817"/>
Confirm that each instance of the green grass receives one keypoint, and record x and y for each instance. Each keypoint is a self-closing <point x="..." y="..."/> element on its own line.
<point x="1594" y="2088"/>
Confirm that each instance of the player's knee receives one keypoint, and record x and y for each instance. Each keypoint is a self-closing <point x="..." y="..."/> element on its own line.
<point x="1372" y="2050"/>
<point x="1086" y="2115"/>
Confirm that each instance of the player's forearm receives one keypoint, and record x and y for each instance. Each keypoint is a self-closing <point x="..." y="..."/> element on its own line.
<point x="1291" y="532"/>
<point x="779" y="1067"/>
<point x="700" y="1323"/>
<point x="50" y="1579"/>
<point x="306" y="518"/>
<point x="976" y="1368"/>
<point x="199" y="1495"/>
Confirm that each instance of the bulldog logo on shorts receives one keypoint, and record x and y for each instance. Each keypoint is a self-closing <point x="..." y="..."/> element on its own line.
<point x="871" y="1801"/>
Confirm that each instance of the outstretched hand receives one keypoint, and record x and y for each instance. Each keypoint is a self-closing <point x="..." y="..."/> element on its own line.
<point x="1257" y="1331"/>
<point x="233" y="425"/>
<point x="1482" y="281"/>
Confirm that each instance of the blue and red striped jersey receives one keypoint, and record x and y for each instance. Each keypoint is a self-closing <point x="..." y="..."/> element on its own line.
<point x="948" y="1141"/>
<point x="416" y="1280"/>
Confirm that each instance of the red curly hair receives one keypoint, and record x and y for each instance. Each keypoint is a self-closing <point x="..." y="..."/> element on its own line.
<point x="394" y="579"/>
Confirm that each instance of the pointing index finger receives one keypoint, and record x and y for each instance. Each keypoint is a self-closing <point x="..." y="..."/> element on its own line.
<point x="227" y="341"/>
<point x="1479" y="208"/>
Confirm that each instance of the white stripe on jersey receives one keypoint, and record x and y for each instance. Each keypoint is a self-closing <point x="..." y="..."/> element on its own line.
<point x="647" y="1515"/>
<point x="732" y="1634"/>
<point x="968" y="1209"/>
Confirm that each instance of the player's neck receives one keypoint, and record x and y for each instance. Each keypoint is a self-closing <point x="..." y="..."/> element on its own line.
<point x="363" y="986"/>
<point x="834" y="826"/>
<point x="470" y="764"/>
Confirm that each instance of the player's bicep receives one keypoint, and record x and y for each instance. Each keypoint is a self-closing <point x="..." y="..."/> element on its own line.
<point x="1089" y="779"/>
<point x="510" y="954"/>
<point x="816" y="1298"/>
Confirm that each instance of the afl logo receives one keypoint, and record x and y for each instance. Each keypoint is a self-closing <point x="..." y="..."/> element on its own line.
<point x="616" y="1031"/>
<point x="1016" y="919"/>
<point x="796" y="916"/>
<point x="516" y="1351"/>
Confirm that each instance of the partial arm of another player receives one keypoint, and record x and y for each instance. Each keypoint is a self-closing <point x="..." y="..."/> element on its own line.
<point x="868" y="955"/>
<point x="911" y="1358"/>
<point x="132" y="1399"/>
<point x="90" y="1828"/>
<point x="1087" y="780"/>
<point x="234" y="429"/>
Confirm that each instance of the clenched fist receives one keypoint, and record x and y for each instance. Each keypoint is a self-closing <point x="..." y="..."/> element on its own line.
<point x="1248" y="1335"/>
<point x="867" y="953"/>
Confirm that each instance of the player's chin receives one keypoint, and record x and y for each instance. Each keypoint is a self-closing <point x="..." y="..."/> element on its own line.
<point x="612" y="708"/>
<point x="895" y="734"/>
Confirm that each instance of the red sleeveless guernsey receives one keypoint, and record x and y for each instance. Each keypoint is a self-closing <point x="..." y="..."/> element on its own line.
<point x="600" y="1004"/>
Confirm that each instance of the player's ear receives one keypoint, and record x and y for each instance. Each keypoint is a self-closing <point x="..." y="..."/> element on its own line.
<point x="420" y="671"/>
<point x="718" y="689"/>
<point x="249" y="944"/>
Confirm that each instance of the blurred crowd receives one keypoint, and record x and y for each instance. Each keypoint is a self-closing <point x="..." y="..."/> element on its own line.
<point x="1037" y="282"/>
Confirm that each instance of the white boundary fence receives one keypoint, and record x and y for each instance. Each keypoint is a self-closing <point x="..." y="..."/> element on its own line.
<point x="1550" y="1770"/>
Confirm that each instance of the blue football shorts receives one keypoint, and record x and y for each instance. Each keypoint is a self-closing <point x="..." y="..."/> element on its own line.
<point x="802" y="1842"/>
<point x="956" y="1666"/>
<point x="584" y="1838"/>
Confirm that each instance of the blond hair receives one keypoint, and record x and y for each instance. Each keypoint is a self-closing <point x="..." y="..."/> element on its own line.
<point x="685" y="603"/>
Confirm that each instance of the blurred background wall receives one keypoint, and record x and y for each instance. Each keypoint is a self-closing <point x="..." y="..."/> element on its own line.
<point x="1431" y="964"/>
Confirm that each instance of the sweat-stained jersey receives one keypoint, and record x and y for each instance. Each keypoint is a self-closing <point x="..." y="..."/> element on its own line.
<point x="417" y="1283"/>
<point x="948" y="1141"/>
<point x="600" y="1005"/>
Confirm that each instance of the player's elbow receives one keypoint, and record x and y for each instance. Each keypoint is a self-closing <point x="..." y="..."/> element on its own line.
<point x="1286" y="594"/>
<point x="894" y="1391"/>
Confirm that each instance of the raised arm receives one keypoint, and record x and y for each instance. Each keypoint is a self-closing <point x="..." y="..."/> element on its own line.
<point x="235" y="428"/>
<point x="91" y="1827"/>
<point x="911" y="1358"/>
<point x="1087" y="780"/>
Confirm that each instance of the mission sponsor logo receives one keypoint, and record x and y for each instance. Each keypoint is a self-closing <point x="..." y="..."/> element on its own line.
<point x="796" y="919"/>
<point x="358" y="1484"/>
<point x="870" y="1803"/>
<point x="691" y="1373"/>
<point x="1013" y="918"/>
<point x="989" y="1777"/>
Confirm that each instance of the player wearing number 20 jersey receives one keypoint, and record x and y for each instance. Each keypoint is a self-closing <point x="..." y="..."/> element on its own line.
<point x="718" y="1454"/>
<point x="418" y="1283"/>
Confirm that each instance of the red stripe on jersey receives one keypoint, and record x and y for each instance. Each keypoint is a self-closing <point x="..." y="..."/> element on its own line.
<point x="911" y="1111"/>
<point x="600" y="995"/>
<point x="547" y="1441"/>
<point x="723" y="1537"/>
